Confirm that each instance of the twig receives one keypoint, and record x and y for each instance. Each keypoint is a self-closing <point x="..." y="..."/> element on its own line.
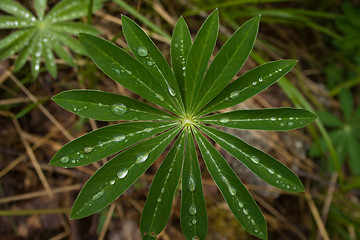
<point x="107" y="221"/>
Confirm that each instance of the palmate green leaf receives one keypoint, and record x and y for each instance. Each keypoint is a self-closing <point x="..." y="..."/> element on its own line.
<point x="117" y="175"/>
<point x="40" y="6"/>
<point x="347" y="103"/>
<point x="239" y="200"/>
<point x="49" y="59"/>
<point x="61" y="7"/>
<point x="74" y="28"/>
<point x="69" y="41"/>
<point x="15" y="9"/>
<point x="36" y="55"/>
<point x="24" y="54"/>
<point x="158" y="204"/>
<point x="262" y="164"/>
<point x="17" y="45"/>
<point x="276" y="119"/>
<point x="106" y="106"/>
<point x="62" y="53"/>
<point x="199" y="57"/>
<point x="105" y="142"/>
<point x="152" y="59"/>
<point x="248" y="85"/>
<point x="126" y="70"/>
<point x="354" y="153"/>
<point x="193" y="217"/>
<point x="8" y="40"/>
<point x="180" y="48"/>
<point x="76" y="11"/>
<point x="7" y="22"/>
<point x="329" y="119"/>
<point x="227" y="62"/>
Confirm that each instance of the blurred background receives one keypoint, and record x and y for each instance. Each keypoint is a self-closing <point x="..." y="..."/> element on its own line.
<point x="324" y="36"/>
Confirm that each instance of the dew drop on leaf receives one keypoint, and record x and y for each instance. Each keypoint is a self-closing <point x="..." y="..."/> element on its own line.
<point x="122" y="173"/>
<point x="234" y="94"/>
<point x="88" y="149"/>
<point x="65" y="159"/>
<point x="159" y="200"/>
<point x="224" y="120"/>
<point x="232" y="190"/>
<point x="191" y="184"/>
<point x="255" y="159"/>
<point x="112" y="182"/>
<point x="119" y="138"/>
<point x="141" y="157"/>
<point x="245" y="211"/>
<point x="290" y="124"/>
<point x="172" y="92"/>
<point x="273" y="118"/>
<point x="271" y="171"/>
<point x="194" y="221"/>
<point x="241" y="205"/>
<point x="98" y="195"/>
<point x="192" y="209"/>
<point x="148" y="129"/>
<point x="142" y="51"/>
<point x="161" y="98"/>
<point x="150" y="63"/>
<point x="118" y="109"/>
<point x="252" y="221"/>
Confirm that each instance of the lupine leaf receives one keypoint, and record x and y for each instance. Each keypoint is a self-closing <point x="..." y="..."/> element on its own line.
<point x="354" y="153"/>
<point x="276" y="119"/>
<point x="106" y="106"/>
<point x="240" y="202"/>
<point x="347" y="103"/>
<point x="194" y="226"/>
<point x="40" y="6"/>
<point x="262" y="164"/>
<point x="180" y="48"/>
<point x="8" y="40"/>
<point x="61" y="7"/>
<point x="74" y="12"/>
<point x="105" y="142"/>
<point x="158" y="204"/>
<point x="15" y="9"/>
<point x="69" y="41"/>
<point x="125" y="69"/>
<point x="24" y="54"/>
<point x="329" y="119"/>
<point x="199" y="56"/>
<point x="49" y="59"/>
<point x="74" y="28"/>
<point x="7" y="22"/>
<point x="227" y="62"/>
<point x="152" y="59"/>
<point x="248" y="85"/>
<point x="62" y="53"/>
<point x="118" y="174"/>
<point x="17" y="45"/>
<point x="36" y="55"/>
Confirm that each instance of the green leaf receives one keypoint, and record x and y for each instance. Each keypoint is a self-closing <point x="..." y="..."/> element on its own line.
<point x="180" y="48"/>
<point x="15" y="9"/>
<point x="40" y="6"/>
<point x="118" y="174"/>
<point x="158" y="205"/>
<point x="276" y="119"/>
<point x="240" y="202"/>
<point x="199" y="56"/>
<point x="76" y="11"/>
<point x="8" y="40"/>
<point x="248" y="85"/>
<point x="62" y="53"/>
<point x="194" y="226"/>
<point x="74" y="28"/>
<point x="347" y="103"/>
<point x="49" y="59"/>
<point x="126" y="70"/>
<point x="61" y="7"/>
<point x="69" y="41"/>
<point x="329" y="119"/>
<point x="354" y="153"/>
<point x="25" y="53"/>
<point x="7" y="22"/>
<point x="262" y="164"/>
<point x="227" y="62"/>
<point x="36" y="55"/>
<point x="105" y="142"/>
<point x="152" y="59"/>
<point x="17" y="45"/>
<point x="106" y="106"/>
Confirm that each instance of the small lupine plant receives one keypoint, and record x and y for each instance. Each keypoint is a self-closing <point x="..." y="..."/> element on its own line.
<point x="189" y="93"/>
<point x="42" y="34"/>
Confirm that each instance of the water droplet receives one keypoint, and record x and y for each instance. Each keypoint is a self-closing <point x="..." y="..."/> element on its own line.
<point x="194" y="221"/>
<point x="270" y="74"/>
<point x="162" y="190"/>
<point x="112" y="182"/>
<point x="73" y="161"/>
<point x="254" y="159"/>
<point x="241" y="205"/>
<point x="161" y="98"/>
<point x="254" y="83"/>
<point x="81" y="155"/>
<point x="271" y="171"/>
<point x="245" y="211"/>
<point x="183" y="68"/>
<point x="65" y="159"/>
<point x="273" y="118"/>
<point x="291" y="118"/>
<point x="98" y="195"/>
<point x="260" y="80"/>
<point x="252" y="221"/>
<point x="176" y="45"/>
<point x="224" y="120"/>
<point x="128" y="72"/>
<point x="88" y="149"/>
<point x="100" y="104"/>
<point x="191" y="184"/>
<point x="159" y="199"/>
<point x="148" y="129"/>
<point x="141" y="157"/>
<point x="282" y="124"/>
<point x="287" y="186"/>
<point x="119" y="138"/>
<point x="192" y="209"/>
<point x="122" y="173"/>
<point x="142" y="51"/>
<point x="195" y="238"/>
<point x="172" y="92"/>
<point x="256" y="230"/>
<point x="232" y="190"/>
<point x="234" y="94"/>
<point x="290" y="124"/>
<point x="279" y="176"/>
<point x="150" y="63"/>
<point x="118" y="109"/>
